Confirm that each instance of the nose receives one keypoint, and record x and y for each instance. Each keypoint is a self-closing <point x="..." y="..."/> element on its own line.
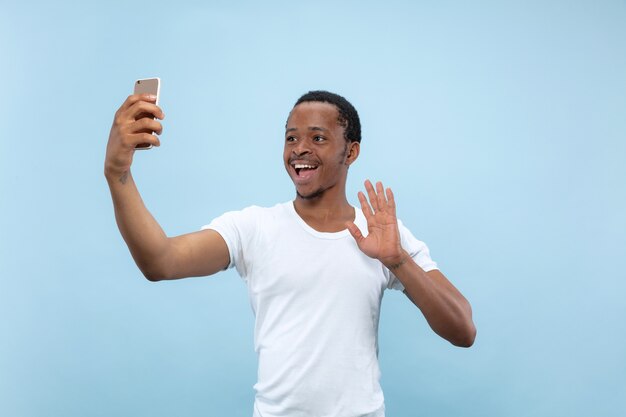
<point x="301" y="148"/>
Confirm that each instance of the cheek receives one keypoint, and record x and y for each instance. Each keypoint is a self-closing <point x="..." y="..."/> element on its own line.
<point x="286" y="160"/>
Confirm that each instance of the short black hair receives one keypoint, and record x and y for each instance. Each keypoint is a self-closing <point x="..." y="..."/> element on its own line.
<point x="348" y="116"/>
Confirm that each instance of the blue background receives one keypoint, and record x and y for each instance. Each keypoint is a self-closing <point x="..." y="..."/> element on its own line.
<point x="500" y="126"/>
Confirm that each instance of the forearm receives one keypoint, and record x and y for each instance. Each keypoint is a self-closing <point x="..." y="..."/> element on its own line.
<point x="146" y="240"/>
<point x="446" y="310"/>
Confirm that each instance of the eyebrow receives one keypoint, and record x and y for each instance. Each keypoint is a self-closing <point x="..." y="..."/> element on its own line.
<point x="315" y="128"/>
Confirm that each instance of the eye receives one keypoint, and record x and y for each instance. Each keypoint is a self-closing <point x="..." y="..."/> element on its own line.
<point x="290" y="139"/>
<point x="319" y="138"/>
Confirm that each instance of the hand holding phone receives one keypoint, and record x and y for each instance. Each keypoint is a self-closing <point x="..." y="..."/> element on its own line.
<point x="147" y="86"/>
<point x="134" y="124"/>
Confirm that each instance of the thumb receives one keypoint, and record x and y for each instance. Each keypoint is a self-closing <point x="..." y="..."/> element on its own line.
<point x="355" y="232"/>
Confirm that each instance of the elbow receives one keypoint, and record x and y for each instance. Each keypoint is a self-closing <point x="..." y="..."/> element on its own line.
<point x="153" y="274"/>
<point x="152" y="278"/>
<point x="466" y="337"/>
<point x="466" y="333"/>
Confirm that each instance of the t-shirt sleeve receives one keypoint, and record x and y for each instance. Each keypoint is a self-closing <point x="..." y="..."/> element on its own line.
<point x="237" y="228"/>
<point x="418" y="251"/>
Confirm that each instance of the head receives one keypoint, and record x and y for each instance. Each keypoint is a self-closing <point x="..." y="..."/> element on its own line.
<point x="322" y="140"/>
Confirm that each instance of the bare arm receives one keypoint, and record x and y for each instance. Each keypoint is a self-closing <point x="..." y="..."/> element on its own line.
<point x="446" y="310"/>
<point x="157" y="256"/>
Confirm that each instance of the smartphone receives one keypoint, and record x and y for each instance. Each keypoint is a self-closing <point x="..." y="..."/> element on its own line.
<point x="147" y="86"/>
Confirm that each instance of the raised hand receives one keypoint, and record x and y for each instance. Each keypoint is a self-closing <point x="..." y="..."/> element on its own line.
<point x="383" y="239"/>
<point x="130" y="128"/>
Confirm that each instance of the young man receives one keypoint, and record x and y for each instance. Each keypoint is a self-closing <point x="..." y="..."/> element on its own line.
<point x="315" y="267"/>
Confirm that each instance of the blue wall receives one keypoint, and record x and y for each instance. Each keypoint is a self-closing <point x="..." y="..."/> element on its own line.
<point x="500" y="126"/>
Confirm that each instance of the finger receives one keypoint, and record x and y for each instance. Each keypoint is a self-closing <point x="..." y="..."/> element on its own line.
<point x="141" y="138"/>
<point x="380" y="195"/>
<point x="133" y="98"/>
<point x="391" y="202"/>
<point x="365" y="207"/>
<point x="146" y="125"/>
<point x="372" y="195"/>
<point x="142" y="109"/>
<point x="355" y="232"/>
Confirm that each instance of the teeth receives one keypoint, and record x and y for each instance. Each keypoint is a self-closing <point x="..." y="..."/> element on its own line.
<point x="300" y="166"/>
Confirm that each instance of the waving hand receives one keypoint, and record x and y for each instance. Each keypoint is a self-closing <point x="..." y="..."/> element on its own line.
<point x="383" y="239"/>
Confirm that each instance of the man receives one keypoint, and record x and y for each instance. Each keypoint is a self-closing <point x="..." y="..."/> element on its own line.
<point x="315" y="267"/>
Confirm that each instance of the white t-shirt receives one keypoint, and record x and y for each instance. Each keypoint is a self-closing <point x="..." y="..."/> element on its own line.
<point x="316" y="299"/>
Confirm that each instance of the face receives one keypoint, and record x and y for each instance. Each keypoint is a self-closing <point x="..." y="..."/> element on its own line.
<point x="316" y="154"/>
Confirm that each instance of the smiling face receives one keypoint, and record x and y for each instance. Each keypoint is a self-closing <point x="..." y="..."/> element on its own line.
<point x="316" y="154"/>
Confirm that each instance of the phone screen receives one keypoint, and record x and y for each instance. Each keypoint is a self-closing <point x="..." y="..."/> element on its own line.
<point x="147" y="86"/>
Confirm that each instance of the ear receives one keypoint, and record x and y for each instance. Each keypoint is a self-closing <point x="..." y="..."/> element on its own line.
<point x="354" y="148"/>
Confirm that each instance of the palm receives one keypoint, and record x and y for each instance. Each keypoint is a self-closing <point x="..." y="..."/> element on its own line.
<point x="383" y="239"/>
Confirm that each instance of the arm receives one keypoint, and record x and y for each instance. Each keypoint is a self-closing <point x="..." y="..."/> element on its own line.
<point x="157" y="256"/>
<point x="446" y="310"/>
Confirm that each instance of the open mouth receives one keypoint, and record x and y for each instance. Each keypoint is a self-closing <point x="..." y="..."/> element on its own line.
<point x="304" y="168"/>
<point x="304" y="171"/>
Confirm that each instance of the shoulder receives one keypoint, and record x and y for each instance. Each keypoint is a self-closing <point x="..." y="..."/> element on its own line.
<point x="416" y="248"/>
<point x="262" y="212"/>
<point x="254" y="214"/>
<point x="408" y="238"/>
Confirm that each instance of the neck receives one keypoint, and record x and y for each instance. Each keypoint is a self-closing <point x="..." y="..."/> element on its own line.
<point x="326" y="213"/>
<point x="318" y="205"/>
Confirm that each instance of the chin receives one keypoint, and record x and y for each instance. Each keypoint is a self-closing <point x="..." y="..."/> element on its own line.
<point x="310" y="195"/>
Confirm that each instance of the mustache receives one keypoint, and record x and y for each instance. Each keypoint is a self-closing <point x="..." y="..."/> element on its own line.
<point x="303" y="159"/>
